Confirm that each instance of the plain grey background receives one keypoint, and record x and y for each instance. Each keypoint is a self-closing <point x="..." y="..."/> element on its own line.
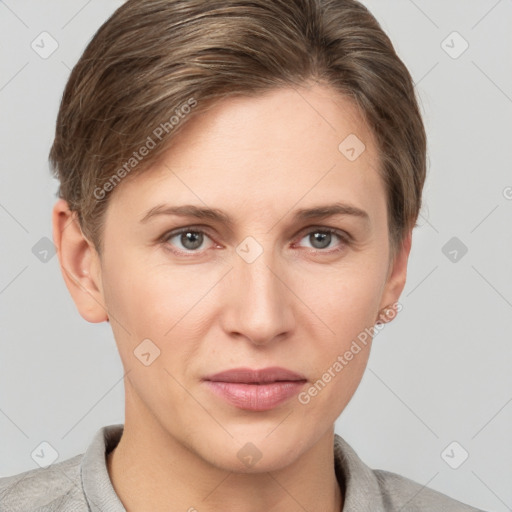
<point x="438" y="374"/>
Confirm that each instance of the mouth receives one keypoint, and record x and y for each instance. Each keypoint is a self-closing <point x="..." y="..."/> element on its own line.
<point x="256" y="390"/>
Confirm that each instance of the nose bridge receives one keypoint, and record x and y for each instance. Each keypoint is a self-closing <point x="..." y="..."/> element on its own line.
<point x="259" y="307"/>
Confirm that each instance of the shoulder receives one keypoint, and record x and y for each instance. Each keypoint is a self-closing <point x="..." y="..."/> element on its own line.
<point x="401" y="493"/>
<point x="384" y="491"/>
<point x="55" y="488"/>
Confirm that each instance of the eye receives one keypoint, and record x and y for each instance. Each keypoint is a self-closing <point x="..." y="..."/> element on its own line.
<point x="187" y="239"/>
<point x="325" y="238"/>
<point x="190" y="240"/>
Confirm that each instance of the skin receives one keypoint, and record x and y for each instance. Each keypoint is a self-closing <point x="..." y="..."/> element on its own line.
<point x="298" y="305"/>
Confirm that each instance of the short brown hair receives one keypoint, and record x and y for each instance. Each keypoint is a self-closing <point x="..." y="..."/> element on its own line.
<point x="156" y="64"/>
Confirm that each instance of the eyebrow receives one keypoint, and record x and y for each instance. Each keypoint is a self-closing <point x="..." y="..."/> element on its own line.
<point x="214" y="214"/>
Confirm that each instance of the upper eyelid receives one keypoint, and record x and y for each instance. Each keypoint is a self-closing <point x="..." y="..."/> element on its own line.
<point x="178" y="231"/>
<point x="338" y="231"/>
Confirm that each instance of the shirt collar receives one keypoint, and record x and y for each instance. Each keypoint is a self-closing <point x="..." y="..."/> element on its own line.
<point x="360" y="487"/>
<point x="98" y="489"/>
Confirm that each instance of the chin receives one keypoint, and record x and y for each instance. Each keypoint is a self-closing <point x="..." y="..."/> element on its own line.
<point x="252" y="454"/>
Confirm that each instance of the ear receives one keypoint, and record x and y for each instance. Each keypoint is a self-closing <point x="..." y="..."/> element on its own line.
<point x="397" y="274"/>
<point x="79" y="264"/>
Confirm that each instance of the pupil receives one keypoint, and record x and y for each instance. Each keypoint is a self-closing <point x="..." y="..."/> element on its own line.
<point x="191" y="239"/>
<point x="323" y="238"/>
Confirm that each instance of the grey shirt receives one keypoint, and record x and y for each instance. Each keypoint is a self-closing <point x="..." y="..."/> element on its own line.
<point x="82" y="484"/>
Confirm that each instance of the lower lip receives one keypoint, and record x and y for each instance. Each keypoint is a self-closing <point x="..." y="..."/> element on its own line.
<point x="256" y="397"/>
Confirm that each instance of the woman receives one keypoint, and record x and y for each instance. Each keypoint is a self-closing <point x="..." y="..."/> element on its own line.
<point x="239" y="182"/>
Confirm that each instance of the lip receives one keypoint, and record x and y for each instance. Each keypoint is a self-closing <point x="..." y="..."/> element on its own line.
<point x="256" y="390"/>
<point x="249" y="376"/>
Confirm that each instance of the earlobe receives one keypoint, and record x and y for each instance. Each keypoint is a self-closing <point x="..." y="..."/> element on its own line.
<point x="390" y="306"/>
<point x="79" y="263"/>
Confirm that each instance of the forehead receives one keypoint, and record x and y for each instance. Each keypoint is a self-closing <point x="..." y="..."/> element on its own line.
<point x="293" y="119"/>
<point x="265" y="153"/>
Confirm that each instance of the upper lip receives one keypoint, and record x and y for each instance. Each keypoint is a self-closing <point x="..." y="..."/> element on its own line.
<point x="250" y="376"/>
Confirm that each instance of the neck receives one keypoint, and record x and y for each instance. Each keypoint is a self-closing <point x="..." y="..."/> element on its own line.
<point x="151" y="470"/>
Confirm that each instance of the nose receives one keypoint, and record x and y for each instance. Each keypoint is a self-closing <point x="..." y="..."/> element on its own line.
<point x="257" y="305"/>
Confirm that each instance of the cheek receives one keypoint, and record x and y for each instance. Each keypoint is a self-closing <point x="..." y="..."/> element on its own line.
<point x="169" y="305"/>
<point x="345" y="300"/>
<point x="151" y="299"/>
<point x="157" y="304"/>
<point x="346" y="303"/>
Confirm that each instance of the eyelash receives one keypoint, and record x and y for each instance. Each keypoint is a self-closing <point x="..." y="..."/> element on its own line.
<point x="344" y="237"/>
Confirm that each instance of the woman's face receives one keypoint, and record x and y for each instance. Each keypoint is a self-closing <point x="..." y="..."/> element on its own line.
<point x="267" y="276"/>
